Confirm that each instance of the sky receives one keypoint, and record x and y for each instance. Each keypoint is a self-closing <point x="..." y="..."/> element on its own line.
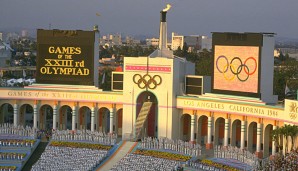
<point x="141" y="17"/>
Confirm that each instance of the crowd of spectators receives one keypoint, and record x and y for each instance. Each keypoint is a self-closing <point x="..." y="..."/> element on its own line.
<point x="147" y="163"/>
<point x="69" y="159"/>
<point x="289" y="161"/>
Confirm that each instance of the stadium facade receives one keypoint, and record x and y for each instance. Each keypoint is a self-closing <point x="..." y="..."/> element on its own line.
<point x="157" y="95"/>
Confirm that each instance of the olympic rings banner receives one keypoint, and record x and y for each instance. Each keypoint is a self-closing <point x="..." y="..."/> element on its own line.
<point x="236" y="68"/>
<point x="147" y="81"/>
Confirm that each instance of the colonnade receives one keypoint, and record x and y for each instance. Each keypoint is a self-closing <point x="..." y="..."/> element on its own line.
<point x="220" y="131"/>
<point x="39" y="122"/>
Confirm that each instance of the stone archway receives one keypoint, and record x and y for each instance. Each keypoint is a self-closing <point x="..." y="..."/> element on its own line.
<point x="46" y="117"/>
<point x="185" y="127"/>
<point x="65" y="118"/>
<point x="85" y="118"/>
<point x="151" y="125"/>
<point x="202" y="130"/>
<point x="26" y="115"/>
<point x="252" y="137"/>
<point x="219" y="131"/>
<point x="6" y="113"/>
<point x="236" y="133"/>
<point x="103" y="121"/>
<point x="267" y="140"/>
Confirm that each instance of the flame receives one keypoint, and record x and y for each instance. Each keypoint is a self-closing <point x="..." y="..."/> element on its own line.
<point x="167" y="8"/>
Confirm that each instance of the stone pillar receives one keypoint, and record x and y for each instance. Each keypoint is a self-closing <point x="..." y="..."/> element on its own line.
<point x="92" y="119"/>
<point x="74" y="118"/>
<point x="209" y="144"/>
<point x="35" y="116"/>
<point x="192" y="128"/>
<point x="274" y="143"/>
<point x="227" y="127"/>
<point x="15" y="115"/>
<point x="243" y="134"/>
<point x="259" y="152"/>
<point x="111" y="120"/>
<point x="55" y="117"/>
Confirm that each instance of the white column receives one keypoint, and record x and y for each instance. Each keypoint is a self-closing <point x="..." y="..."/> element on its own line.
<point x="192" y="128"/>
<point x="15" y="114"/>
<point x="111" y="120"/>
<point x="209" y="130"/>
<point x="227" y="127"/>
<point x="55" y="117"/>
<point x="274" y="143"/>
<point x="259" y="135"/>
<point x="92" y="118"/>
<point x="35" y="116"/>
<point x="74" y="121"/>
<point x="243" y="134"/>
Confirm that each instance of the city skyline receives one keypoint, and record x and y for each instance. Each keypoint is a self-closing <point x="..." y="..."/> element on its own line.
<point x="187" y="17"/>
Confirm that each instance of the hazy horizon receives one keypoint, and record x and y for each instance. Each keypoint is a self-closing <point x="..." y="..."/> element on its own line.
<point x="141" y="17"/>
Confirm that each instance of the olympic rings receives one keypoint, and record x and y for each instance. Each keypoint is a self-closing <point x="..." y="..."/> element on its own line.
<point x="146" y="81"/>
<point x="245" y="66"/>
<point x="232" y="78"/>
<point x="217" y="65"/>
<point x="252" y="58"/>
<point x="236" y="71"/>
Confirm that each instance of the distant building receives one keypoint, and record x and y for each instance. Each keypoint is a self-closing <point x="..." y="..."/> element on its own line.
<point x="193" y="42"/>
<point x="111" y="40"/>
<point x="12" y="36"/>
<point x="5" y="54"/>
<point x="131" y="41"/>
<point x="292" y="52"/>
<point x="276" y="53"/>
<point x="152" y="42"/>
<point x="206" y="43"/>
<point x="24" y="33"/>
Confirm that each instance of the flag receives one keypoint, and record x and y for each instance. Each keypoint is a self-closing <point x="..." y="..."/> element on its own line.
<point x="24" y="73"/>
<point x="287" y="90"/>
<point x="103" y="78"/>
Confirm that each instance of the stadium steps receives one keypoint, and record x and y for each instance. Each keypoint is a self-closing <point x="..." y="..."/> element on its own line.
<point x="35" y="156"/>
<point x="124" y="149"/>
<point x="143" y="115"/>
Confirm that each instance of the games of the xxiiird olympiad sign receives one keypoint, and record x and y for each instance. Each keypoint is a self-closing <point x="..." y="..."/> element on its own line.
<point x="66" y="57"/>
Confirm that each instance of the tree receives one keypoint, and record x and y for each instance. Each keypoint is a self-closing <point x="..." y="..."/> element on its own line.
<point x="283" y="73"/>
<point x="285" y="132"/>
<point x="204" y="63"/>
<point x="276" y="137"/>
<point x="293" y="130"/>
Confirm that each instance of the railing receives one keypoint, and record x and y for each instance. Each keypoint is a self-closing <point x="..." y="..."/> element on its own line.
<point x="85" y="135"/>
<point x="244" y="156"/>
<point x="233" y="152"/>
<point x="179" y="146"/>
<point x="10" y="131"/>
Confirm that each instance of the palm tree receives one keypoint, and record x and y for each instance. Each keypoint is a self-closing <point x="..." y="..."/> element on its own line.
<point x="277" y="136"/>
<point x="285" y="131"/>
<point x="293" y="133"/>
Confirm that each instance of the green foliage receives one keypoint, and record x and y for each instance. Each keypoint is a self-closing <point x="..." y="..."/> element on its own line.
<point x="204" y="63"/>
<point x="285" y="131"/>
<point x="106" y="83"/>
<point x="202" y="60"/>
<point x="286" y="72"/>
